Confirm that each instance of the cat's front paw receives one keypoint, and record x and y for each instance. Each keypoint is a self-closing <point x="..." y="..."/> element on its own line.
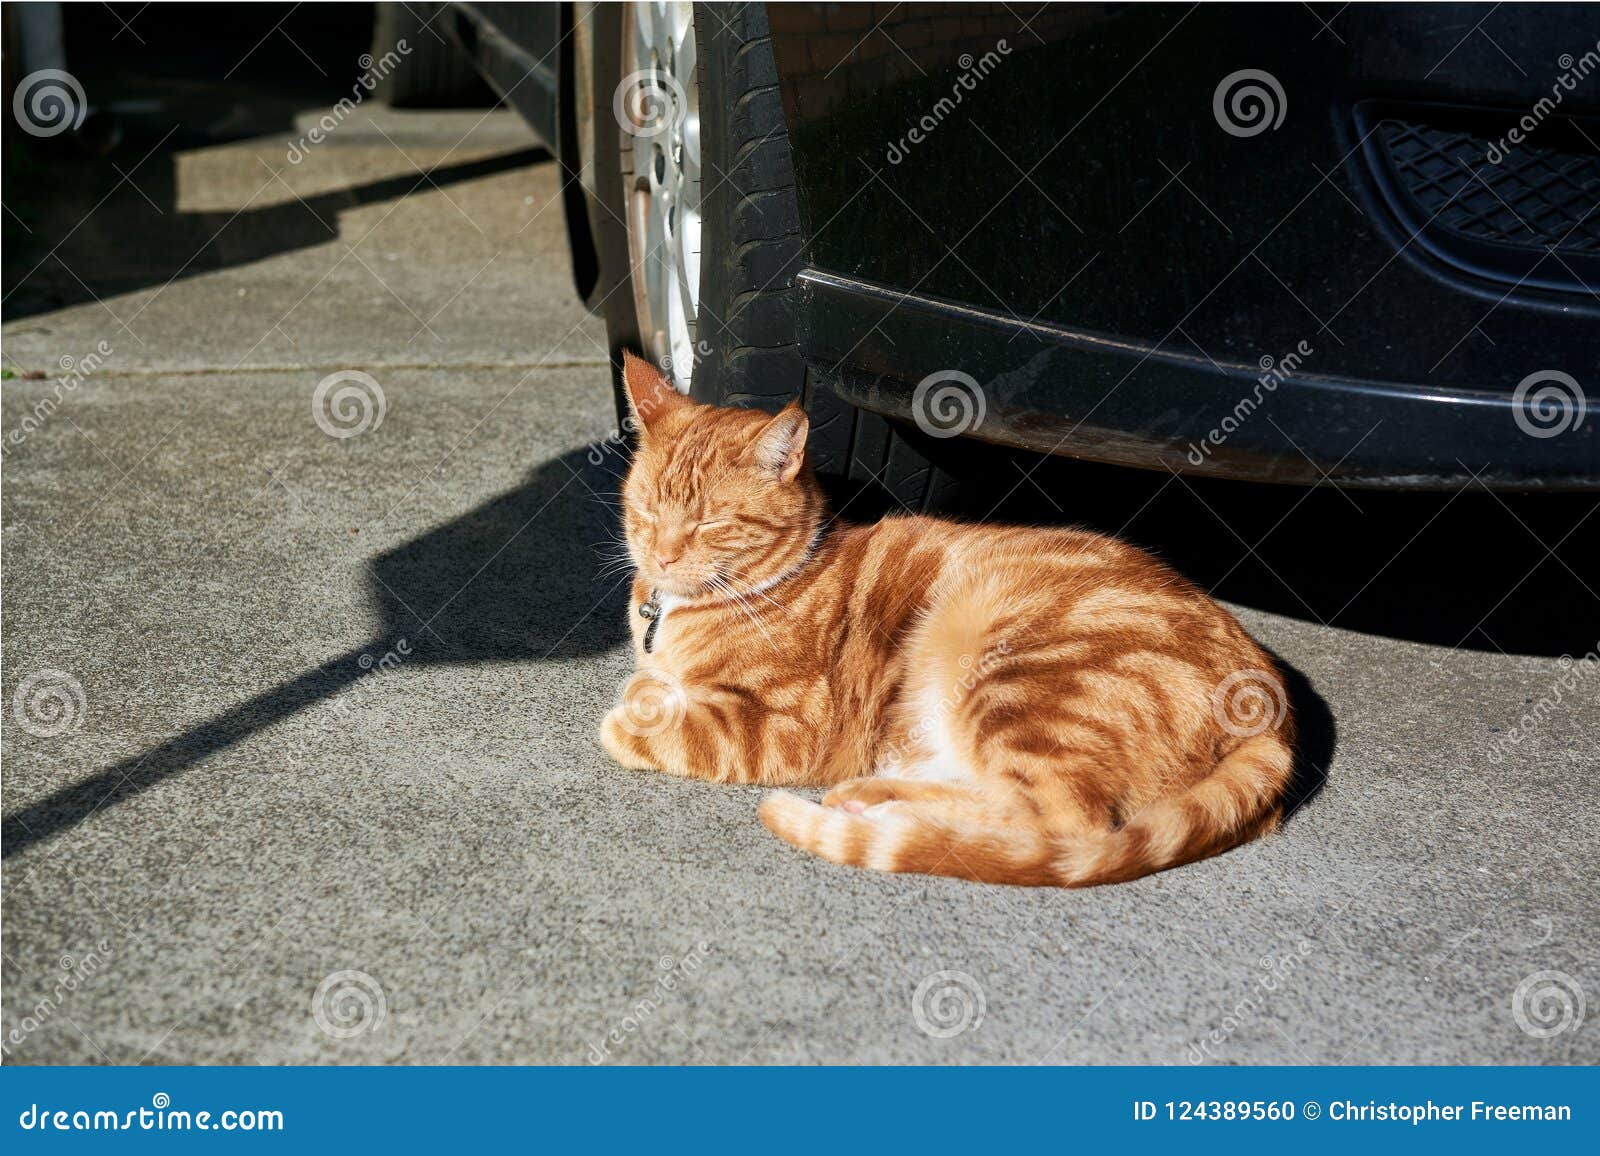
<point x="621" y="741"/>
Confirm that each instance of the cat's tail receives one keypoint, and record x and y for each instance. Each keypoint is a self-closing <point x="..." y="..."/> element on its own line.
<point x="1241" y="799"/>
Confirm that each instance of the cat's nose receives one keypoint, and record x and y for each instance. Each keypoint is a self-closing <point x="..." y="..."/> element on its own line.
<point x="665" y="560"/>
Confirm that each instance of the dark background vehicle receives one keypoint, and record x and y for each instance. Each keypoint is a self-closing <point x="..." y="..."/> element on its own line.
<point x="793" y="300"/>
<point x="1243" y="240"/>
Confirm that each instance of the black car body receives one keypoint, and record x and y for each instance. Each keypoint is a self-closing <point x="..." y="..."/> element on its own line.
<point x="1251" y="241"/>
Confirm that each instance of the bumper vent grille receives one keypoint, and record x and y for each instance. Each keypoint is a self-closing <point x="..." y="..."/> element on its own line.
<point x="1526" y="215"/>
<point x="1534" y="198"/>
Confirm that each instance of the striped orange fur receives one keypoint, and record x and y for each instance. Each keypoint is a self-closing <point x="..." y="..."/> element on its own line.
<point x="1008" y="704"/>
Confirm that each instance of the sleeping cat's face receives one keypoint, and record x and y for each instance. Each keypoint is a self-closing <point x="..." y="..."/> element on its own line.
<point x="716" y="499"/>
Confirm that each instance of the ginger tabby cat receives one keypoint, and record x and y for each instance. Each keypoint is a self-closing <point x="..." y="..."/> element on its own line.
<point x="1007" y="704"/>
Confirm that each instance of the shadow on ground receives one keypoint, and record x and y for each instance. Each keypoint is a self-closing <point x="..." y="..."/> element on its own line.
<point x="101" y="256"/>
<point x="510" y="581"/>
<point x="95" y="213"/>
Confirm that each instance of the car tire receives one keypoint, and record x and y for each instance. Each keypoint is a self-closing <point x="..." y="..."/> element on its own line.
<point x="433" y="71"/>
<point x="746" y="340"/>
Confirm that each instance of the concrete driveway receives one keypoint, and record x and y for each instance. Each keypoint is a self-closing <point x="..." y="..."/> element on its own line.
<point x="299" y="761"/>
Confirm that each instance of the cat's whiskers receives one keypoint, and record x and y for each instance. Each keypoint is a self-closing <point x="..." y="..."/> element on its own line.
<point x="615" y="554"/>
<point x="759" y="593"/>
<point x="718" y="582"/>
<point x="614" y="559"/>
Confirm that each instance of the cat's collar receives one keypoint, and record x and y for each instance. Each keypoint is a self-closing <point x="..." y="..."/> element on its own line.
<point x="650" y="610"/>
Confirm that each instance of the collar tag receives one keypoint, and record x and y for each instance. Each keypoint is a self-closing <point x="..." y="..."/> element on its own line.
<point x="650" y="609"/>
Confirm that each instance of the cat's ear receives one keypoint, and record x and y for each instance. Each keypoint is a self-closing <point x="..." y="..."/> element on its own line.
<point x="781" y="445"/>
<point x="650" y="394"/>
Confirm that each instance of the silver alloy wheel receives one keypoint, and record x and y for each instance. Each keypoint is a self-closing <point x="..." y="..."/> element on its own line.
<point x="658" y="108"/>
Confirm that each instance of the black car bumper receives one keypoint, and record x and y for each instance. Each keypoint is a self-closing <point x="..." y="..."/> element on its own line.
<point x="1051" y="389"/>
<point x="1386" y="278"/>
